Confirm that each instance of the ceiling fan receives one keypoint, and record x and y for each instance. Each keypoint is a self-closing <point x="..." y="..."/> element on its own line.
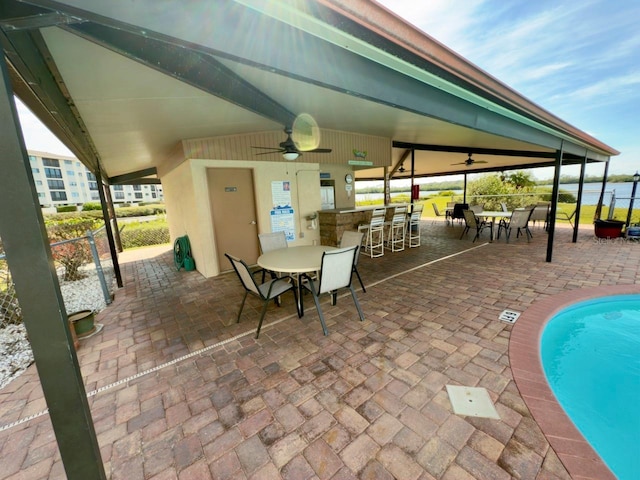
<point x="469" y="161"/>
<point x="290" y="149"/>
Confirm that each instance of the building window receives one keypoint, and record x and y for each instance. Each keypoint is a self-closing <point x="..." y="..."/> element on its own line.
<point x="93" y="185"/>
<point x="73" y="184"/>
<point x="53" y="172"/>
<point x="75" y="195"/>
<point x="39" y="183"/>
<point x="56" y="184"/>
<point x="32" y="158"/>
<point x="50" y="162"/>
<point x="95" y="196"/>
<point x="41" y="195"/>
<point x="35" y="170"/>
<point x="154" y="195"/>
<point x="136" y="188"/>
<point x="138" y="196"/>
<point x="91" y="177"/>
<point x="118" y="188"/>
<point x="119" y="195"/>
<point x="59" y="196"/>
<point x="71" y="173"/>
<point x="68" y="162"/>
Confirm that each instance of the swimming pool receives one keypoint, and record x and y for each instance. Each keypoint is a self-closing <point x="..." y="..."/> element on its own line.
<point x="590" y="356"/>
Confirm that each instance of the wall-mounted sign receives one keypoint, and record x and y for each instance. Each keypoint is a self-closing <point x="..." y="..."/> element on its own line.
<point x="230" y="189"/>
<point x="325" y="175"/>
<point x="360" y="162"/>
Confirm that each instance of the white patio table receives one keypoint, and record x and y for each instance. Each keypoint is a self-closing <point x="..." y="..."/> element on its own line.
<point x="493" y="215"/>
<point x="295" y="260"/>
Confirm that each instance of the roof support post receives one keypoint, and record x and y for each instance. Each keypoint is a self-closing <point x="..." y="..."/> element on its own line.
<point x="580" y="191"/>
<point x="387" y="186"/>
<point x="598" y="212"/>
<point x="413" y="166"/>
<point x="112" y="215"/>
<point x="464" y="191"/>
<point x="554" y="202"/>
<point x="108" y="229"/>
<point x="31" y="263"/>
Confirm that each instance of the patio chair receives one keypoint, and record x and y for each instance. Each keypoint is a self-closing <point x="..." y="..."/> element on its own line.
<point x="456" y="213"/>
<point x="541" y="214"/>
<point x="519" y="221"/>
<point x="374" y="231"/>
<point x="504" y="207"/>
<point x="472" y="222"/>
<point x="349" y="239"/>
<point x="266" y="291"/>
<point x="268" y="242"/>
<point x="565" y="216"/>
<point x="476" y="209"/>
<point x="335" y="273"/>
<point x="447" y="213"/>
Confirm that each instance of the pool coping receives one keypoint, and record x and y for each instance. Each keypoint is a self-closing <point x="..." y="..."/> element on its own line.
<point x="577" y="455"/>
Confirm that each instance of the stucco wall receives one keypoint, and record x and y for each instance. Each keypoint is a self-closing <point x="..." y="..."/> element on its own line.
<point x="189" y="210"/>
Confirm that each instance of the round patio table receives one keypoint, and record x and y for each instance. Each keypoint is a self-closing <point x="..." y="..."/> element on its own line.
<point x="295" y="260"/>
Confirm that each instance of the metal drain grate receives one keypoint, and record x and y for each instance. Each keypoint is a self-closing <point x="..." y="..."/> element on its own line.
<point x="509" y="316"/>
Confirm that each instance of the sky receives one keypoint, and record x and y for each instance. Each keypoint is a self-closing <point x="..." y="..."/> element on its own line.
<point x="580" y="60"/>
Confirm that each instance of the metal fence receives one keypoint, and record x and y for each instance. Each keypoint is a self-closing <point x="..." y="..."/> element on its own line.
<point x="85" y="272"/>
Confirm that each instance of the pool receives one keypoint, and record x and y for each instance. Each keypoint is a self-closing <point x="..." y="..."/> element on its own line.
<point x="590" y="354"/>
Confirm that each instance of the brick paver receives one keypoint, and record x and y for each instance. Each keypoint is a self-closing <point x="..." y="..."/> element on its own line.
<point x="368" y="401"/>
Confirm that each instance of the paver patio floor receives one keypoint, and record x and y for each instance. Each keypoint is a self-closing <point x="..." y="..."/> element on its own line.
<point x="179" y="390"/>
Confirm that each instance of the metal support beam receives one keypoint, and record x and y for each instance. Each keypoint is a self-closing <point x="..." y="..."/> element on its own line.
<point x="134" y="178"/>
<point x="598" y="212"/>
<point x="108" y="229"/>
<point x="29" y="258"/>
<point x="554" y="204"/>
<point x="580" y="191"/>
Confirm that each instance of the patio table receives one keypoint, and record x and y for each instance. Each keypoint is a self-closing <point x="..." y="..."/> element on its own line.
<point x="295" y="260"/>
<point x="493" y="215"/>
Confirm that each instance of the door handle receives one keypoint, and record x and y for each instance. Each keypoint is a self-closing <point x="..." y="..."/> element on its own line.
<point x="252" y="222"/>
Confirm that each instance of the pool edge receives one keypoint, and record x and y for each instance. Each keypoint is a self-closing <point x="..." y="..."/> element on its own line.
<point x="577" y="455"/>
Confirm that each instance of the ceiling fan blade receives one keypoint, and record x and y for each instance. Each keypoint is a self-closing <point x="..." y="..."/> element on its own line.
<point x="460" y="163"/>
<point x="269" y="148"/>
<point x="318" y="150"/>
<point x="267" y="153"/>
<point x="479" y="161"/>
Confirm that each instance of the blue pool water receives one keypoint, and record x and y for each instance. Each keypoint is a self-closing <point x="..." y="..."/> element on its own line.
<point x="591" y="356"/>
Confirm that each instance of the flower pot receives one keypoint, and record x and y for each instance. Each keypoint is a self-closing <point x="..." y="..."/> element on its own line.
<point x="608" y="228"/>
<point x="83" y="322"/>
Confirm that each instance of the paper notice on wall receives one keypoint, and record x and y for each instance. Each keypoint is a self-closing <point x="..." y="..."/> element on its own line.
<point x="282" y="220"/>
<point x="282" y="214"/>
<point x="281" y="194"/>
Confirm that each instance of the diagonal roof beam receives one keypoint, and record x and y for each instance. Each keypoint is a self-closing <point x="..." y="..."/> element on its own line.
<point x="37" y="81"/>
<point x="188" y="65"/>
<point x="485" y="151"/>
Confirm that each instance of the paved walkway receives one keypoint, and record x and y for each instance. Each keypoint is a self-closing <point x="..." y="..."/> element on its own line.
<point x="179" y="390"/>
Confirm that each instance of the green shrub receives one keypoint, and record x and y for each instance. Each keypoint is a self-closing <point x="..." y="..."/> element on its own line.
<point x="91" y="206"/>
<point x="563" y="195"/>
<point x="73" y="254"/>
<point x="142" y="234"/>
<point x="66" y="208"/>
<point x="125" y="212"/>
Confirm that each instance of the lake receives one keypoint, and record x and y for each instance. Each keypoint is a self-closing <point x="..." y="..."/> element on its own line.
<point x="590" y="194"/>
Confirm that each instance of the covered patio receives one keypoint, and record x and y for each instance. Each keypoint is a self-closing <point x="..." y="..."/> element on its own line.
<point x="178" y="390"/>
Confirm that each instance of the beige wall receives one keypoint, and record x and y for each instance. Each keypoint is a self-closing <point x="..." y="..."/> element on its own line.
<point x="188" y="207"/>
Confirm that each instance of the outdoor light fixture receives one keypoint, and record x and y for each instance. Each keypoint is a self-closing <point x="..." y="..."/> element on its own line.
<point x="636" y="177"/>
<point x="401" y="169"/>
<point x="290" y="155"/>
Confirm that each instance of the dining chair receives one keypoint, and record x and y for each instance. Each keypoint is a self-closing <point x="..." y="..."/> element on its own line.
<point x="271" y="241"/>
<point x="541" y="213"/>
<point x="519" y="221"/>
<point x="335" y="273"/>
<point x="413" y="226"/>
<point x="265" y="291"/>
<point x="349" y="239"/>
<point x="472" y="222"/>
<point x="456" y="213"/>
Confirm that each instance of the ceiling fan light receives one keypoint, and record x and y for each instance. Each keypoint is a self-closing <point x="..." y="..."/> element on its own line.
<point x="290" y="155"/>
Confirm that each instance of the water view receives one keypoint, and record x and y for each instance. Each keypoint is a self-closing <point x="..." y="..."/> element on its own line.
<point x="590" y="195"/>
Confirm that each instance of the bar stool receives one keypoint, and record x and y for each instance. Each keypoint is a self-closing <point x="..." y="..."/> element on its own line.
<point x="374" y="233"/>
<point x="413" y="226"/>
<point x="397" y="227"/>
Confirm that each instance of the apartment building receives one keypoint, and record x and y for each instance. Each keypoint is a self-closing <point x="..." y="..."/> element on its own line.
<point x="62" y="180"/>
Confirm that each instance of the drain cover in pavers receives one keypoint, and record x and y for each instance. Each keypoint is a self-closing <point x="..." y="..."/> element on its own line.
<point x="509" y="316"/>
<point x="471" y="401"/>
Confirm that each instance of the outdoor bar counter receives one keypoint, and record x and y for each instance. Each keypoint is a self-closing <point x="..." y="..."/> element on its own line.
<point x="335" y="221"/>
